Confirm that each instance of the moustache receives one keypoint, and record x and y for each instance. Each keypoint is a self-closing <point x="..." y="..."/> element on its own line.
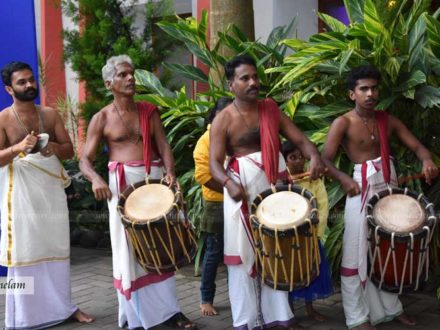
<point x="30" y="90"/>
<point x="253" y="89"/>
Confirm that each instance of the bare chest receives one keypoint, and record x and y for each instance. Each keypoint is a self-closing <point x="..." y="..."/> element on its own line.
<point x="123" y="128"/>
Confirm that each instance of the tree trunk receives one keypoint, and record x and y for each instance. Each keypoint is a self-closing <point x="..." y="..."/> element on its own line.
<point x="223" y="13"/>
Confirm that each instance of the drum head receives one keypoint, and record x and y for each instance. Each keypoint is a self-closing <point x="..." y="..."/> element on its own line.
<point x="283" y="210"/>
<point x="148" y="202"/>
<point x="399" y="213"/>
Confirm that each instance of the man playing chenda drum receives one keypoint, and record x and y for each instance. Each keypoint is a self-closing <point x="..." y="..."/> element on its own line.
<point x="364" y="133"/>
<point x="248" y="131"/>
<point x="137" y="145"/>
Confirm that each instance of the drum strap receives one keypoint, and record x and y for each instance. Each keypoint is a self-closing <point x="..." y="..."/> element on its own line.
<point x="146" y="111"/>
<point x="382" y="127"/>
<point x="269" y="120"/>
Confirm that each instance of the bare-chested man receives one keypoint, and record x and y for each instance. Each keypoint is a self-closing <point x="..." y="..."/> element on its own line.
<point x="137" y="145"/>
<point x="248" y="131"/>
<point x="364" y="133"/>
<point x="34" y="215"/>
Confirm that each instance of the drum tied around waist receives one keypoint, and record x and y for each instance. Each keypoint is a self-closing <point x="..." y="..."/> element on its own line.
<point x="154" y="218"/>
<point x="284" y="223"/>
<point x="400" y="227"/>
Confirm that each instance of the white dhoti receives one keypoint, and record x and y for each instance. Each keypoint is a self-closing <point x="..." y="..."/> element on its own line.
<point x="253" y="304"/>
<point x="145" y="299"/>
<point x="35" y="241"/>
<point x="361" y="300"/>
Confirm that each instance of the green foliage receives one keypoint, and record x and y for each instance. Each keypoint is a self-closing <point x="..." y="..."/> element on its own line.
<point x="107" y="30"/>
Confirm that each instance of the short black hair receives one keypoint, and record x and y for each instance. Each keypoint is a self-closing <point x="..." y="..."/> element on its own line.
<point x="362" y="72"/>
<point x="287" y="148"/>
<point x="12" y="67"/>
<point x="221" y="103"/>
<point x="235" y="62"/>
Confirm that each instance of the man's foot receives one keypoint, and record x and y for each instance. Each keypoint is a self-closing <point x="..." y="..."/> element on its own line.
<point x="82" y="317"/>
<point x="406" y="319"/>
<point x="295" y="326"/>
<point x="364" y="326"/>
<point x="208" y="310"/>
<point x="180" y="321"/>
<point x="311" y="312"/>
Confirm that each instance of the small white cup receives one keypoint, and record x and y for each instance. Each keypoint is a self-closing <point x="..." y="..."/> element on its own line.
<point x="43" y="140"/>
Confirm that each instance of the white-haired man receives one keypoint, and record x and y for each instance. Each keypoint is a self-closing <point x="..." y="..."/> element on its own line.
<point x="137" y="145"/>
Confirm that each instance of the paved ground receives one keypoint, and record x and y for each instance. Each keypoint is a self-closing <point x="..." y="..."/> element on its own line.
<point x="93" y="291"/>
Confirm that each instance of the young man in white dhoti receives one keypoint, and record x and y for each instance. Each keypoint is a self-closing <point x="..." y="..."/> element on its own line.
<point x="248" y="132"/>
<point x="137" y="145"/>
<point x="34" y="216"/>
<point x="364" y="134"/>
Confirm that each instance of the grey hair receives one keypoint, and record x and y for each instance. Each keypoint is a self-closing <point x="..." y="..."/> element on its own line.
<point x="109" y="69"/>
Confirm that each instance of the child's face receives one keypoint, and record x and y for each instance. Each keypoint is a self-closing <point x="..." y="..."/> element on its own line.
<point x="295" y="162"/>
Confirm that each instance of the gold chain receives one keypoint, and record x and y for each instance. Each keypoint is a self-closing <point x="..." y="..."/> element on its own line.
<point x="21" y="123"/>
<point x="364" y="121"/>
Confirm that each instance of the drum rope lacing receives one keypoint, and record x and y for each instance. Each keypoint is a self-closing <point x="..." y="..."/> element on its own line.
<point x="423" y="251"/>
<point x="304" y="263"/>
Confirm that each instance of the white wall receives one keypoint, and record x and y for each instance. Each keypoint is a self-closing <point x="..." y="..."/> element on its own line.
<point x="269" y="14"/>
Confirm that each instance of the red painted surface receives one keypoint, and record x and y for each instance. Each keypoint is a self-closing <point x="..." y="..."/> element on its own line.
<point x="51" y="53"/>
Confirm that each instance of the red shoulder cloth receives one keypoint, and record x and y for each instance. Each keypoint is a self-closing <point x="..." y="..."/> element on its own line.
<point x="382" y="127"/>
<point x="146" y="110"/>
<point x="269" y="119"/>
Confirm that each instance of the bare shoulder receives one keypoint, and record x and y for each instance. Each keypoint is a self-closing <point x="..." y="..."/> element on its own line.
<point x="4" y="114"/>
<point x="5" y="117"/>
<point x="342" y="122"/>
<point x="102" y="115"/>
<point x="223" y="119"/>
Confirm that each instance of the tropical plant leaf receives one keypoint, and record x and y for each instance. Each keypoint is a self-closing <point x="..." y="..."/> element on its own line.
<point x="428" y="97"/>
<point x="280" y="33"/>
<point x="372" y="21"/>
<point x="433" y="29"/>
<point x="334" y="24"/>
<point x="355" y="10"/>
<point x="149" y="80"/>
<point x="416" y="40"/>
<point x="392" y="67"/>
<point x="187" y="71"/>
<point x="155" y="99"/>
<point x="416" y="78"/>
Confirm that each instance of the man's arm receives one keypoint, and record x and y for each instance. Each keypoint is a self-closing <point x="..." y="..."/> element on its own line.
<point x="94" y="135"/>
<point x="9" y="153"/>
<point x="202" y="173"/>
<point x="331" y="146"/>
<point x="217" y="154"/>
<point x="430" y="170"/>
<point x="62" y="145"/>
<point x="294" y="134"/>
<point x="164" y="148"/>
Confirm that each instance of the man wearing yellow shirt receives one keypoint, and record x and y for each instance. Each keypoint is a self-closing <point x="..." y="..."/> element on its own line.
<point x="212" y="220"/>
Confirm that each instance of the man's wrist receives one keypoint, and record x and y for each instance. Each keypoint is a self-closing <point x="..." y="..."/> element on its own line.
<point x="226" y="180"/>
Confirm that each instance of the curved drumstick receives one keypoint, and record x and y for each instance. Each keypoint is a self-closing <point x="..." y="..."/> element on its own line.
<point x="406" y="179"/>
